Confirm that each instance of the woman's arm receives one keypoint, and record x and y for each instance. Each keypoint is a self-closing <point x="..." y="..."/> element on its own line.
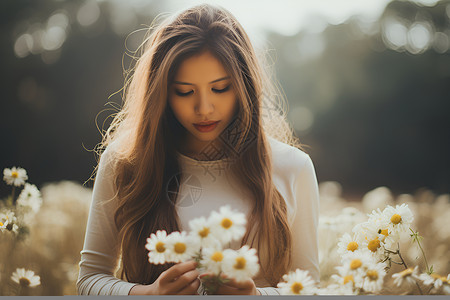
<point x="304" y="228"/>
<point x="305" y="251"/>
<point x="99" y="257"/>
<point x="268" y="291"/>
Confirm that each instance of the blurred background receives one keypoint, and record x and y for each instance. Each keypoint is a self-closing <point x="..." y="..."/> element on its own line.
<point x="368" y="83"/>
<point x="368" y="87"/>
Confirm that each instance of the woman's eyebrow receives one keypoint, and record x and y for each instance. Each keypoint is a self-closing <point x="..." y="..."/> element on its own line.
<point x="187" y="83"/>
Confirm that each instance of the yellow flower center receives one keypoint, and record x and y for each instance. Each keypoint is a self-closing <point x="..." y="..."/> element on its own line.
<point x="24" y="281"/>
<point x="240" y="263"/>
<point x="348" y="278"/>
<point x="372" y="274"/>
<point x="406" y="272"/>
<point x="383" y="232"/>
<point x="160" y="247"/>
<point x="373" y="245"/>
<point x="217" y="256"/>
<point x="226" y="223"/>
<point x="296" y="287"/>
<point x="355" y="264"/>
<point x="437" y="276"/>
<point x="14" y="174"/>
<point x="352" y="246"/>
<point x="180" y="248"/>
<point x="204" y="232"/>
<point x="1" y="224"/>
<point x="396" y="218"/>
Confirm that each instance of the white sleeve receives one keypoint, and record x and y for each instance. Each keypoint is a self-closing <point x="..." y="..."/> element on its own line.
<point x="305" y="254"/>
<point x="99" y="257"/>
<point x="266" y="291"/>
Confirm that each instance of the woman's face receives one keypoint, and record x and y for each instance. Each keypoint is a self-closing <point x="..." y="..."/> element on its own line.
<point x="202" y="92"/>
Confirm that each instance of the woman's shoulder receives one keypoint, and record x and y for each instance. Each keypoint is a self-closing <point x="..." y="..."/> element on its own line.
<point x="109" y="156"/>
<point x="287" y="158"/>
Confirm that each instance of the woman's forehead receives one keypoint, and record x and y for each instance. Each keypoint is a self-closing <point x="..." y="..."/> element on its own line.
<point x="202" y="68"/>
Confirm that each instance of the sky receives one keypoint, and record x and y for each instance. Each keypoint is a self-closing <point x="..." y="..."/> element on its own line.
<point x="289" y="16"/>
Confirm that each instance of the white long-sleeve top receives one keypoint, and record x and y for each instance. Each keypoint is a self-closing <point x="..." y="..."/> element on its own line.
<point x="206" y="186"/>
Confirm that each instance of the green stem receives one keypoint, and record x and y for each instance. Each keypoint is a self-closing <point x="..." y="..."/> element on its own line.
<point x="390" y="251"/>
<point x="421" y="249"/>
<point x="12" y="194"/>
<point x="397" y="263"/>
<point x="399" y="255"/>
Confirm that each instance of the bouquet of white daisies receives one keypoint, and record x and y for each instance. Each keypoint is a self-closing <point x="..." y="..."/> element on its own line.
<point x="366" y="257"/>
<point x="205" y="244"/>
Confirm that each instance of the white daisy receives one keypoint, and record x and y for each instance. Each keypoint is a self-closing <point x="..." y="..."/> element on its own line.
<point x="356" y="264"/>
<point x="181" y="247"/>
<point x="25" y="278"/>
<point x="227" y="224"/>
<point x="297" y="282"/>
<point x="389" y="240"/>
<point x="400" y="219"/>
<point x="348" y="243"/>
<point x="447" y="285"/>
<point x="367" y="230"/>
<point x="240" y="264"/>
<point x="3" y="222"/>
<point x="8" y="221"/>
<point x="343" y="280"/>
<point x="446" y="289"/>
<point x="337" y="289"/>
<point x="157" y="247"/>
<point x="15" y="176"/>
<point x="433" y="279"/>
<point x="15" y="228"/>
<point x="373" y="237"/>
<point x="377" y="216"/>
<point x="212" y="259"/>
<point x="201" y="229"/>
<point x="346" y="277"/>
<point x="374" y="277"/>
<point x="408" y="275"/>
<point x="377" y="225"/>
<point x="361" y="255"/>
<point x="30" y="197"/>
<point x="375" y="247"/>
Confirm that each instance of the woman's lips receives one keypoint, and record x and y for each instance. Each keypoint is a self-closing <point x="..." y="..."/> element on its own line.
<point x="206" y="128"/>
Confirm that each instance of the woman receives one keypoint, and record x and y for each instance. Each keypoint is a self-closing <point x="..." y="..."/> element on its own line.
<point x="198" y="111"/>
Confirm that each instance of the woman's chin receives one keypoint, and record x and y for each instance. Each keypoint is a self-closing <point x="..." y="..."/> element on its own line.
<point x="206" y="136"/>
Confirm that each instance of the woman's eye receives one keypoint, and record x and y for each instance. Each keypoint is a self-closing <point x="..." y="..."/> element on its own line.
<point x="183" y="94"/>
<point x="222" y="90"/>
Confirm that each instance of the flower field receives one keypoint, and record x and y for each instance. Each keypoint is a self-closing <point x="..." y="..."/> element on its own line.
<point x="382" y="244"/>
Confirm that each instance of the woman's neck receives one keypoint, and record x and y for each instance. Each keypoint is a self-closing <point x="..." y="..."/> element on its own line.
<point x="209" y="150"/>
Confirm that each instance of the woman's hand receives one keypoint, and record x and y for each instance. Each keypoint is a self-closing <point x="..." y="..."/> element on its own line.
<point x="233" y="287"/>
<point x="180" y="279"/>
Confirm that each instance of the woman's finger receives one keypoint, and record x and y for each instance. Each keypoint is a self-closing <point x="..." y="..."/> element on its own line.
<point x="246" y="284"/>
<point x="185" y="280"/>
<point x="191" y="289"/>
<point x="177" y="270"/>
<point x="228" y="290"/>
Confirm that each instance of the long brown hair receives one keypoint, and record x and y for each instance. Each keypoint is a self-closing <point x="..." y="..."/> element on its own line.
<point x="145" y="133"/>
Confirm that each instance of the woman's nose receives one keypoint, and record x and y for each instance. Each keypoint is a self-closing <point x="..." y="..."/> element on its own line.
<point x="204" y="106"/>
